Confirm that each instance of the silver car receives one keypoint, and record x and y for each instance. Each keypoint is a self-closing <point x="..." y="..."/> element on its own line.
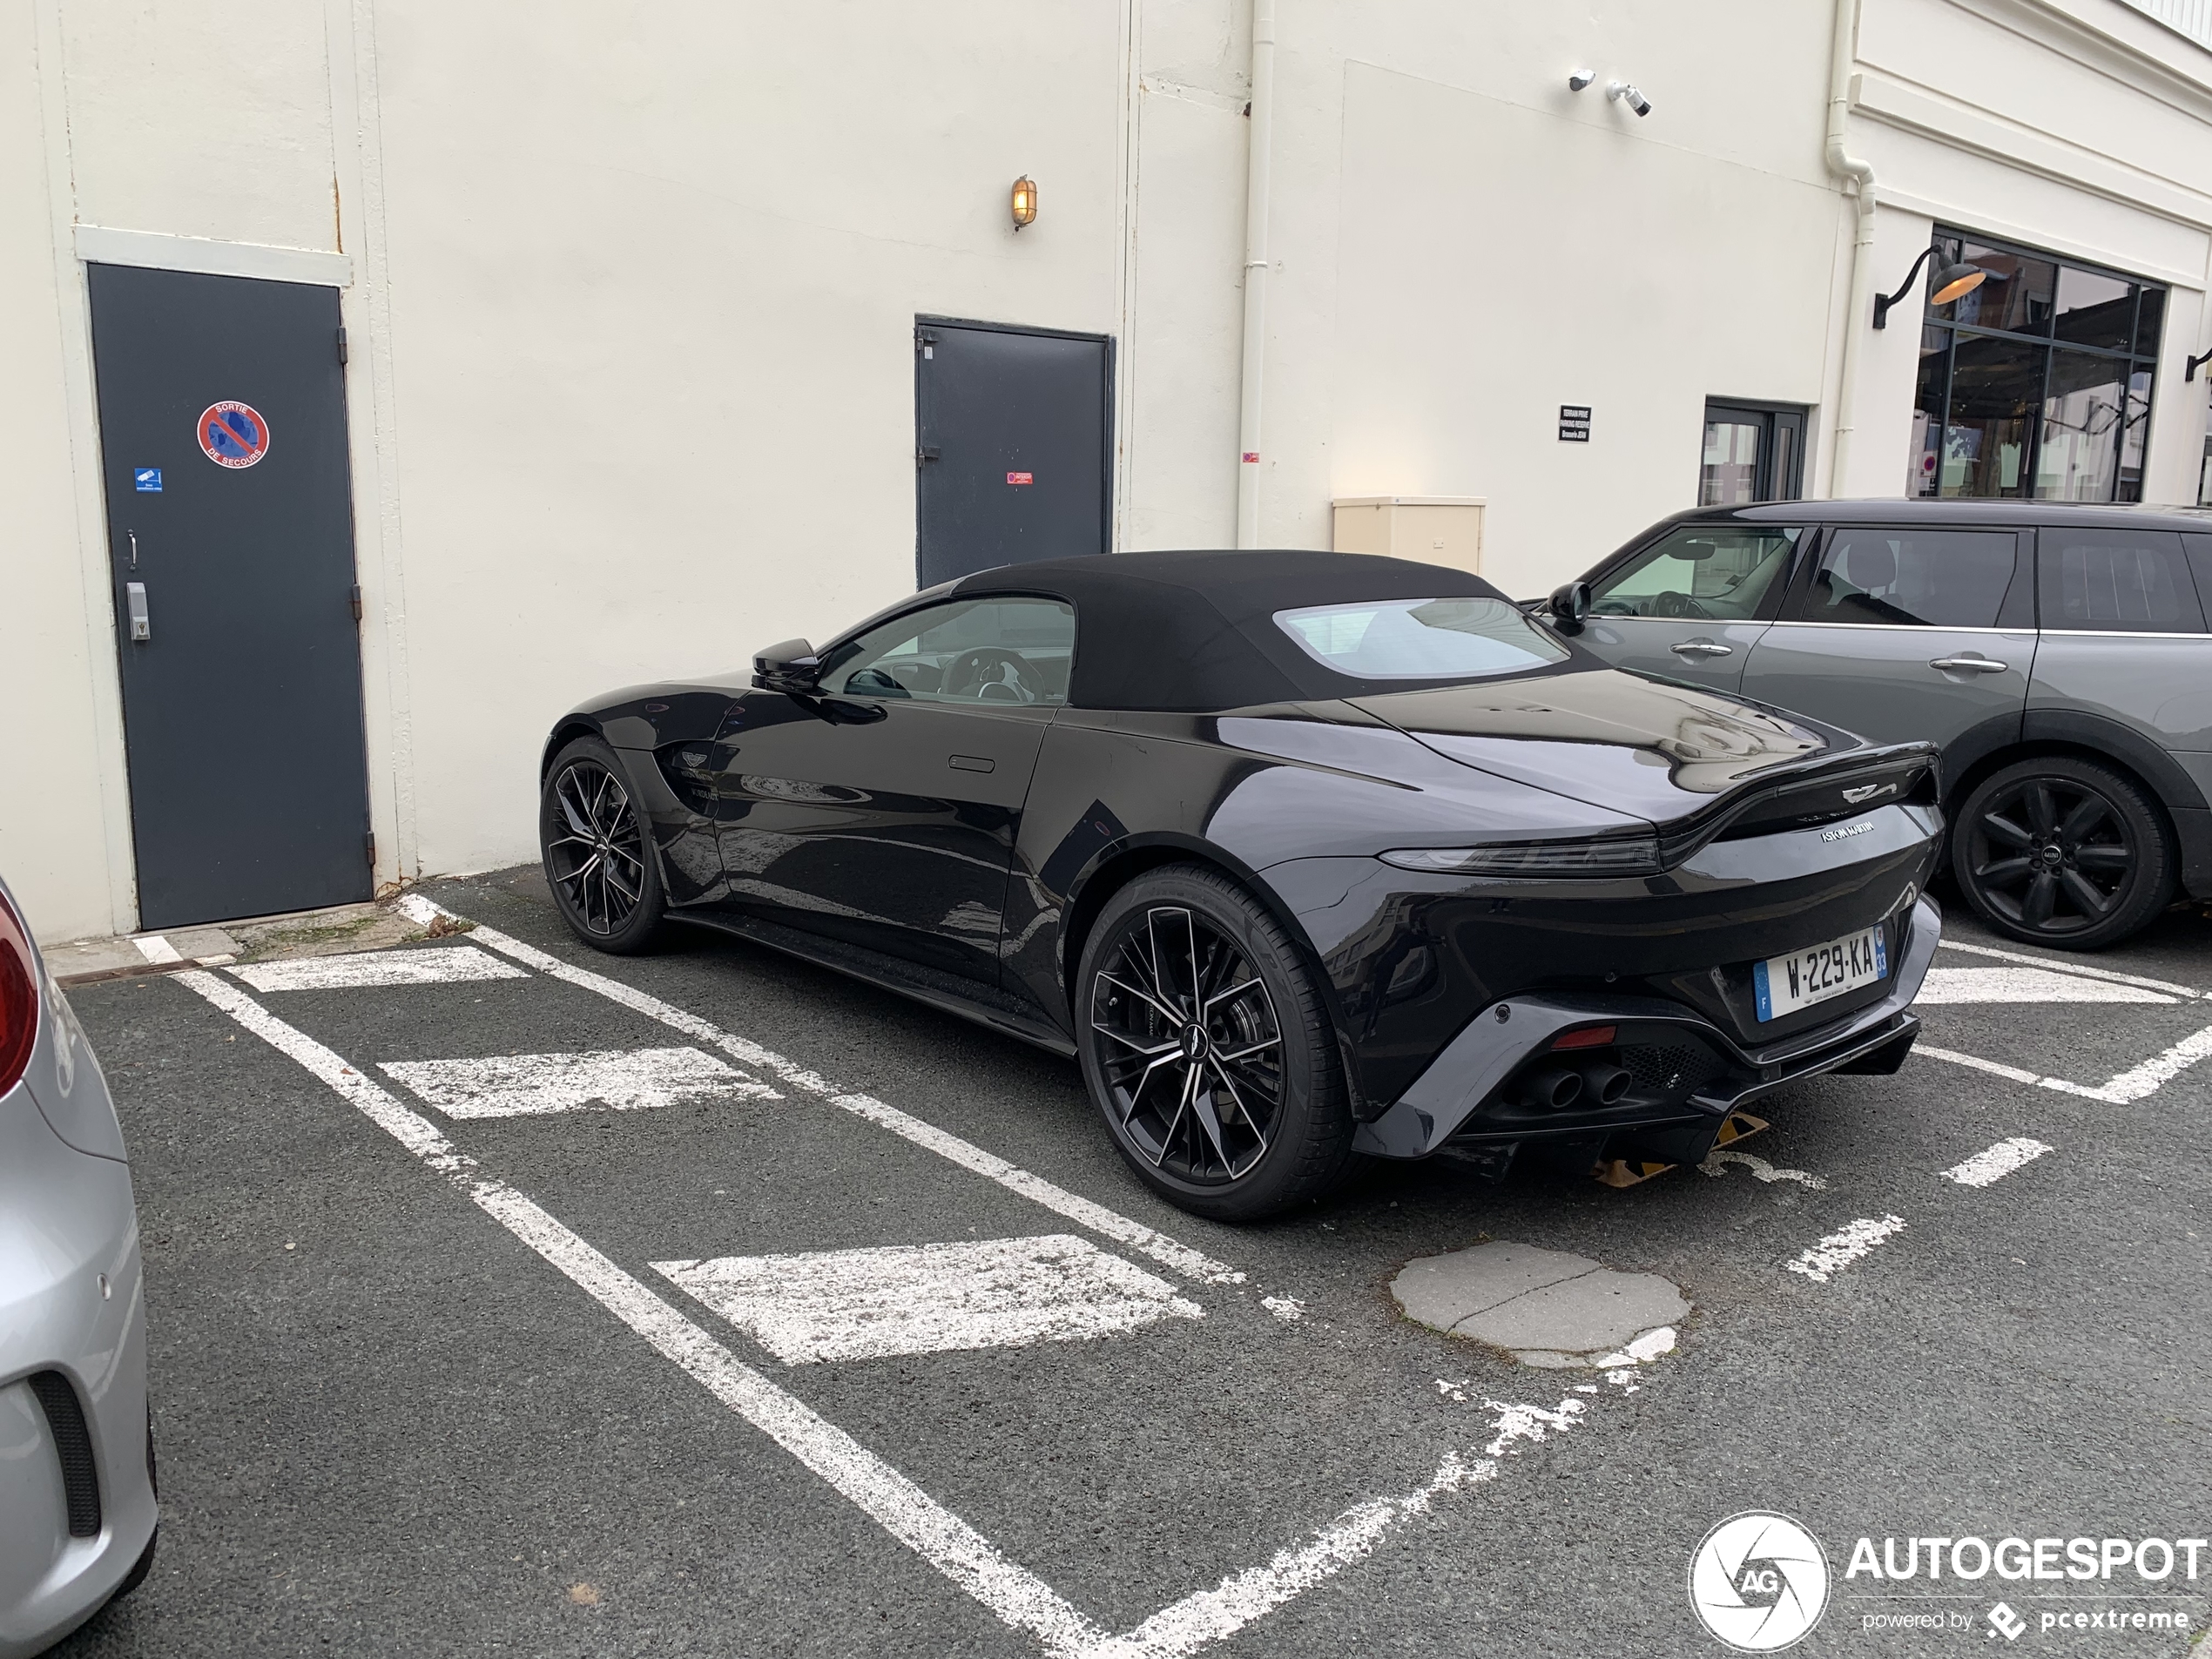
<point x="2056" y="652"/>
<point x="77" y="1492"/>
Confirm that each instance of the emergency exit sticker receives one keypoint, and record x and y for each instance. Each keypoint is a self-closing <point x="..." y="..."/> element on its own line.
<point x="146" y="480"/>
<point x="232" y="435"/>
<point x="1021" y="478"/>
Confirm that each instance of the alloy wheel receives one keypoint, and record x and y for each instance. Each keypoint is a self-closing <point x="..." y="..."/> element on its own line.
<point x="1191" y="1050"/>
<point x="595" y="852"/>
<point x="2052" y="855"/>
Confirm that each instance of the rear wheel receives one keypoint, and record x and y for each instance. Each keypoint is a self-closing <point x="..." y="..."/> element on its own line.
<point x="2060" y="852"/>
<point x="598" y="861"/>
<point x="1207" y="1048"/>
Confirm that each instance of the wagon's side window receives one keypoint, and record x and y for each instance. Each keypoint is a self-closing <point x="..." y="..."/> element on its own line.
<point x="2118" y="582"/>
<point x="991" y="650"/>
<point x="1912" y="579"/>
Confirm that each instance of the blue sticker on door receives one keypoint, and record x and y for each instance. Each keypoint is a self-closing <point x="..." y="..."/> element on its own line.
<point x="148" y="479"/>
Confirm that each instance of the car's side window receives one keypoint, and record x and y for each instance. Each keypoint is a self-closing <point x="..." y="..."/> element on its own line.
<point x="2118" y="582"/>
<point x="1931" y="578"/>
<point x="1698" y="571"/>
<point x="1010" y="651"/>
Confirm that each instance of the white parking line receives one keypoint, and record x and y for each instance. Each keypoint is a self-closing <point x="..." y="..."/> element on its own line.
<point x="1956" y="985"/>
<point x="155" y="948"/>
<point x="1720" y="1157"/>
<point x="451" y="965"/>
<point x="1008" y="1590"/>
<point x="929" y="1298"/>
<point x="2138" y="1083"/>
<point x="519" y="1085"/>
<point x="1106" y="1223"/>
<point x="1997" y="1162"/>
<point x="2070" y="964"/>
<point x="1845" y="1246"/>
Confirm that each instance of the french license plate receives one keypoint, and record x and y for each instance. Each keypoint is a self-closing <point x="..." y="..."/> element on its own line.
<point x="1784" y="984"/>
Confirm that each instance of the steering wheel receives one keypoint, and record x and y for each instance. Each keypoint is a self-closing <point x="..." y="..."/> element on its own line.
<point x="973" y="674"/>
<point x="1680" y="606"/>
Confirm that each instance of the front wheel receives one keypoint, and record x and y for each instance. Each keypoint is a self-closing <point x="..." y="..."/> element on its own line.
<point x="599" y="862"/>
<point x="2064" y="852"/>
<point x="1207" y="1048"/>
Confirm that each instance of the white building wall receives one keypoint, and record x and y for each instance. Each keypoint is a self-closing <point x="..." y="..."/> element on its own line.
<point x="631" y="291"/>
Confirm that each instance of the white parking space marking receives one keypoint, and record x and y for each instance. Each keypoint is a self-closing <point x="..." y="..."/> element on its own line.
<point x="2073" y="966"/>
<point x="1719" y="1158"/>
<point x="1956" y="985"/>
<point x="523" y="1085"/>
<point x="2138" y="1083"/>
<point x="155" y="948"/>
<point x="1008" y="1590"/>
<point x="1997" y="1163"/>
<point x="453" y="965"/>
<point x="929" y="1298"/>
<point x="1845" y="1246"/>
<point x="1106" y="1223"/>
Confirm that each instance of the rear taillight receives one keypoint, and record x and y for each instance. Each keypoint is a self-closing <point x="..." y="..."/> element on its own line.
<point x="18" y="999"/>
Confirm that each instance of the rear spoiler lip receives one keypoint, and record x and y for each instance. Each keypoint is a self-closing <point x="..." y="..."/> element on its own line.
<point x="1916" y="761"/>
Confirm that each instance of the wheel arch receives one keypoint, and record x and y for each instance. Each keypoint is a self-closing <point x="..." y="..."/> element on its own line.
<point x="570" y="728"/>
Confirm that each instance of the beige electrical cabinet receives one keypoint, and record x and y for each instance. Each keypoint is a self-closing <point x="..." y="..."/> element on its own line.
<point x="1435" y="529"/>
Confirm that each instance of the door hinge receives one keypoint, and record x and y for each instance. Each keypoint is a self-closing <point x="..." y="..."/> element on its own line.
<point x="356" y="597"/>
<point x="369" y="845"/>
<point x="927" y="452"/>
<point x="341" y="348"/>
<point x="924" y="340"/>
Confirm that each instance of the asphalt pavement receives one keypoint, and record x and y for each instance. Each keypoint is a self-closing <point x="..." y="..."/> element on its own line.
<point x="842" y="1331"/>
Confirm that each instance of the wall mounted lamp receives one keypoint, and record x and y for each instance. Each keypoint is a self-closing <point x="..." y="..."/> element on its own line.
<point x="2188" y="372"/>
<point x="1628" y="95"/>
<point x="1953" y="282"/>
<point x="1024" y="203"/>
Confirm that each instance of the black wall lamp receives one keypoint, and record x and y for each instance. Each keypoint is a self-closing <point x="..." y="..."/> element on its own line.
<point x="1953" y="282"/>
<point x="2188" y="372"/>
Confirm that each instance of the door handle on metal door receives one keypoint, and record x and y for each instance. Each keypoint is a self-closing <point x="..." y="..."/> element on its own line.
<point x="1969" y="664"/>
<point x="1702" y="648"/>
<point x="134" y="606"/>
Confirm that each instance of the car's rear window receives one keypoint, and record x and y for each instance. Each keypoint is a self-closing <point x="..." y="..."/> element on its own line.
<point x="1425" y="639"/>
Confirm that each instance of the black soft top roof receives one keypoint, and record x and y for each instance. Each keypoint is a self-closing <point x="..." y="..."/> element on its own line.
<point x="1195" y="631"/>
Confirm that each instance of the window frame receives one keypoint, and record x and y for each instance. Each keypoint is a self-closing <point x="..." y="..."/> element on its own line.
<point x="1770" y="417"/>
<point x="2130" y="361"/>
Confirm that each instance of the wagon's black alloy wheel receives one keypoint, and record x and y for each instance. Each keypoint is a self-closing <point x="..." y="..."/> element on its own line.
<point x="1207" y="1048"/>
<point x="2062" y="852"/>
<point x="597" y="858"/>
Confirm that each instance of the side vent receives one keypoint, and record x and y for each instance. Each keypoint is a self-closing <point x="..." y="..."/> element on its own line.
<point x="73" y="1444"/>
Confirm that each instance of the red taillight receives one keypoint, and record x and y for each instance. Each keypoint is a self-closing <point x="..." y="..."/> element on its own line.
<point x="18" y="999"/>
<point x="1590" y="1036"/>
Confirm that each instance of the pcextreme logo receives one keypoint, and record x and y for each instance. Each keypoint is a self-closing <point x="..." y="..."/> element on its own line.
<point x="1759" y="1583"/>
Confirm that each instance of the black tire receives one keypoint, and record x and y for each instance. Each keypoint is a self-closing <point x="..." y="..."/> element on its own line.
<point x="139" y="1568"/>
<point x="2065" y="852"/>
<point x="1266" y="1123"/>
<point x="597" y="853"/>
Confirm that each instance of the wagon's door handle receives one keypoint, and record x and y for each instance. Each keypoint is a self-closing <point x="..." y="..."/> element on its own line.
<point x="1969" y="664"/>
<point x="1702" y="648"/>
<point x="134" y="606"/>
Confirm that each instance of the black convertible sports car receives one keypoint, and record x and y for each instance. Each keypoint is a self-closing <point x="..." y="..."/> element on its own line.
<point x="1302" y="855"/>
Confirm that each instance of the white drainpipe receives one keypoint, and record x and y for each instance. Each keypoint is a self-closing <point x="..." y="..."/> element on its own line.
<point x="1256" y="170"/>
<point x="1859" y="308"/>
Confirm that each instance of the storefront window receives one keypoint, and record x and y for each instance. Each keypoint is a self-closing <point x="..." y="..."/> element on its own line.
<point x="2037" y="382"/>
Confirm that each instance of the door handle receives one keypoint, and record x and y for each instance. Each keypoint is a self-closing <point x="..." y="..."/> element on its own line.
<point x="1702" y="648"/>
<point x="1969" y="664"/>
<point x="134" y="606"/>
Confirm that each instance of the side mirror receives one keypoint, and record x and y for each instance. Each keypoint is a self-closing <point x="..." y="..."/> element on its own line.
<point x="1569" y="605"/>
<point x="792" y="666"/>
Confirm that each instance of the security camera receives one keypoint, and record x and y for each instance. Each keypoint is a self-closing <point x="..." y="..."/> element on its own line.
<point x="1581" y="78"/>
<point x="1629" y="96"/>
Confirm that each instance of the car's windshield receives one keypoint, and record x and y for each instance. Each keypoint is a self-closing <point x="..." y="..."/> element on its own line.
<point x="1701" y="570"/>
<point x="1382" y="639"/>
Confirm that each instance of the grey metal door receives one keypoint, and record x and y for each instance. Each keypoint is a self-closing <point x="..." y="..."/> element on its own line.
<point x="1691" y="605"/>
<point x="1906" y="633"/>
<point x="1012" y="446"/>
<point x="230" y="528"/>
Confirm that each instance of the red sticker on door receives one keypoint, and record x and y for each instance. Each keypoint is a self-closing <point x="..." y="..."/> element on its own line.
<point x="1021" y="478"/>
<point x="232" y="435"/>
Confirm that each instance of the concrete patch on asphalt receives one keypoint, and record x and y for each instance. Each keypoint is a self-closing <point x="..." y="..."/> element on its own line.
<point x="446" y="965"/>
<point x="521" y="1085"/>
<point x="1545" y="1308"/>
<point x="872" y="1303"/>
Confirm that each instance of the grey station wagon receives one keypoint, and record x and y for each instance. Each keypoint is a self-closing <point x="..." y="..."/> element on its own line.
<point x="2057" y="654"/>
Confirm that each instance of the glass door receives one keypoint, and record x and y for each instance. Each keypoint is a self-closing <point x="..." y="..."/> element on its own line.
<point x="1752" y="452"/>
